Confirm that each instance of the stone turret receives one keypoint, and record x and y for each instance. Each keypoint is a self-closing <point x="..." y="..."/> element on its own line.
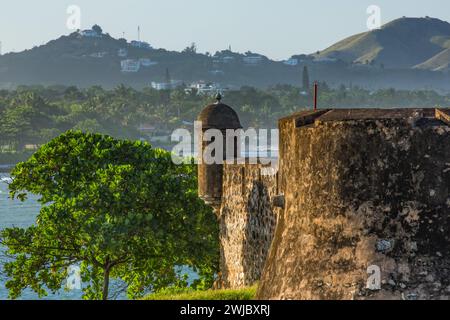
<point x="240" y="194"/>
<point x="220" y="117"/>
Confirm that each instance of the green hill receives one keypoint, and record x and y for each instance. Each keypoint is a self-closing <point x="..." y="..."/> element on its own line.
<point x="440" y="62"/>
<point x="402" y="43"/>
<point x="405" y="54"/>
<point x="85" y="61"/>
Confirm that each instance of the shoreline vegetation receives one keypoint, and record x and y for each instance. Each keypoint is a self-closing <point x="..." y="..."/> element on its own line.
<point x="31" y="116"/>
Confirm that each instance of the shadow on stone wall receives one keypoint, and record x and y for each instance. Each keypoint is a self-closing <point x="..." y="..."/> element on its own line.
<point x="247" y="222"/>
<point x="258" y="231"/>
<point x="223" y="276"/>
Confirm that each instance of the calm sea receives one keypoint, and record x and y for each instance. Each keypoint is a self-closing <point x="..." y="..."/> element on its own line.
<point x="22" y="214"/>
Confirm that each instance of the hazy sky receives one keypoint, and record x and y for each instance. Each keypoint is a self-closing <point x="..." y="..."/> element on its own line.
<point x="276" y="28"/>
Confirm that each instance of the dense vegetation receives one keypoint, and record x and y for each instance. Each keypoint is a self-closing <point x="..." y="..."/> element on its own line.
<point x="117" y="209"/>
<point x="32" y="116"/>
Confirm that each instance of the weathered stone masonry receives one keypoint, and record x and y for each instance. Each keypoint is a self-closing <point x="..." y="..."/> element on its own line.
<point x="361" y="188"/>
<point x="247" y="222"/>
<point x="241" y="196"/>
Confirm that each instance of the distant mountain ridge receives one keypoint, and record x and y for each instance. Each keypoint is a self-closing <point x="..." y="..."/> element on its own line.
<point x="403" y="43"/>
<point x="407" y="53"/>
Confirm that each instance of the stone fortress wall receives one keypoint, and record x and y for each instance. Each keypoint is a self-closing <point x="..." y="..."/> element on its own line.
<point x="363" y="188"/>
<point x="356" y="191"/>
<point x="247" y="220"/>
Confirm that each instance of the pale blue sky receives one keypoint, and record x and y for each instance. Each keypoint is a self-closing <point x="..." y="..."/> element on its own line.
<point x="276" y="28"/>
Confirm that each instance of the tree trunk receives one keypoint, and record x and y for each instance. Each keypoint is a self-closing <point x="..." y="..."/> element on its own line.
<point x="105" y="284"/>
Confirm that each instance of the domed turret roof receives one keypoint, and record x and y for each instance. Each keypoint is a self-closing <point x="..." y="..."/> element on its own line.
<point x="219" y="116"/>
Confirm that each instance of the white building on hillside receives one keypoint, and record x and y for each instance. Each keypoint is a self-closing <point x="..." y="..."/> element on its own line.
<point x="217" y="72"/>
<point x="166" y="86"/>
<point x="253" y="60"/>
<point x="146" y="128"/>
<point x="130" y="65"/>
<point x="291" y="62"/>
<point x="141" y="44"/>
<point x="145" y="62"/>
<point x="98" y="54"/>
<point x="122" y="52"/>
<point x="89" y="33"/>
<point x="227" y="59"/>
<point x="205" y="88"/>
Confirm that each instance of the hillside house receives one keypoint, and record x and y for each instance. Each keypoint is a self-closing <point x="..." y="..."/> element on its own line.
<point x="217" y="72"/>
<point x="122" y="52"/>
<point x="145" y="62"/>
<point x="31" y="147"/>
<point x="89" y="33"/>
<point x="146" y="128"/>
<point x="253" y="60"/>
<point x="130" y="65"/>
<point x="227" y="59"/>
<point x="173" y="84"/>
<point x="140" y="44"/>
<point x="98" y="54"/>
<point x="291" y="62"/>
<point x="205" y="88"/>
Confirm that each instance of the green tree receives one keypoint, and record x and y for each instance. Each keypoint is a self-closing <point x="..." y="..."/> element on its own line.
<point x="192" y="49"/>
<point x="15" y="127"/>
<point x="90" y="126"/>
<point x="118" y="209"/>
<point x="97" y="29"/>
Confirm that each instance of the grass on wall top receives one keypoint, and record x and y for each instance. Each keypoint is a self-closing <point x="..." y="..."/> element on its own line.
<point x="186" y="294"/>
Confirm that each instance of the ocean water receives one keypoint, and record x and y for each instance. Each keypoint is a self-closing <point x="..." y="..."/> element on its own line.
<point x="14" y="213"/>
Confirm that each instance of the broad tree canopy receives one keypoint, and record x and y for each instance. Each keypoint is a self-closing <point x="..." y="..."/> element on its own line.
<point x="119" y="209"/>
